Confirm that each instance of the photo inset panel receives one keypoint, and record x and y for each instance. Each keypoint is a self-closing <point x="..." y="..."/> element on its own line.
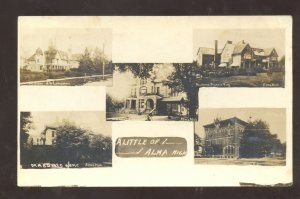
<point x="240" y="57"/>
<point x="153" y="92"/>
<point x="75" y="139"/>
<point x="65" y="56"/>
<point x="241" y="136"/>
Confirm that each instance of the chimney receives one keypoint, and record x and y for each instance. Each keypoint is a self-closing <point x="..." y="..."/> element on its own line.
<point x="216" y="52"/>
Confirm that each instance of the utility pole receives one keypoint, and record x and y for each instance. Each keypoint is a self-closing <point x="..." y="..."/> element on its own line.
<point x="103" y="64"/>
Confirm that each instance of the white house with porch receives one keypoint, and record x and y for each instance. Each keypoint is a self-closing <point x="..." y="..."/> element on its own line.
<point x="154" y="96"/>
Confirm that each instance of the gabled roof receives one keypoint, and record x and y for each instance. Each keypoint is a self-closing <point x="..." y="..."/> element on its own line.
<point x="50" y="55"/>
<point x="208" y="51"/>
<point x="228" y="48"/>
<point x="239" y="47"/>
<point x="264" y="52"/>
<point x="223" y="123"/>
<point x="268" y="51"/>
<point x="258" y="51"/>
<point x="37" y="52"/>
<point x="63" y="54"/>
<point x="31" y="58"/>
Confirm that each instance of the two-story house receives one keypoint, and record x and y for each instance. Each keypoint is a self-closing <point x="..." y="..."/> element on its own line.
<point x="48" y="136"/>
<point x="266" y="58"/>
<point x="148" y="95"/>
<point x="222" y="137"/>
<point x="36" y="62"/>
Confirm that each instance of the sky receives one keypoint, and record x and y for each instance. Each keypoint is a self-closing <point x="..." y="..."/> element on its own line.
<point x="76" y="39"/>
<point x="90" y="120"/>
<point x="275" y="117"/>
<point x="259" y="38"/>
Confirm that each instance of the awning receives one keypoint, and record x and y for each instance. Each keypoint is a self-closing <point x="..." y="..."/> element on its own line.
<point x="173" y="99"/>
<point x="223" y="65"/>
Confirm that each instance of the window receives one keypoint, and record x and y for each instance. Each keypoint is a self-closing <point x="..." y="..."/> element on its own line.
<point x="53" y="134"/>
<point x="208" y="143"/>
<point x="158" y="90"/>
<point x="143" y="81"/>
<point x="133" y="92"/>
<point x="141" y="103"/>
<point x="143" y="90"/>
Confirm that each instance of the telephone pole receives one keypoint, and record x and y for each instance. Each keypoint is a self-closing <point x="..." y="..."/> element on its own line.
<point x="103" y="64"/>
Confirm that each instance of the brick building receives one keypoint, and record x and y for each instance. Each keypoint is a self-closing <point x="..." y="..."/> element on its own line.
<point x="222" y="137"/>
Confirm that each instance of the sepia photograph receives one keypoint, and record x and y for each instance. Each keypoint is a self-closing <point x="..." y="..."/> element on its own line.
<point x="153" y="92"/>
<point x="65" y="140"/>
<point x="65" y="56"/>
<point x="241" y="57"/>
<point x="241" y="136"/>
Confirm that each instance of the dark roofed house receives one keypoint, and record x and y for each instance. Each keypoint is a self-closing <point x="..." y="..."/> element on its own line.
<point x="206" y="56"/>
<point x="222" y="137"/>
<point x="266" y="57"/>
<point x="242" y="55"/>
<point x="239" y="55"/>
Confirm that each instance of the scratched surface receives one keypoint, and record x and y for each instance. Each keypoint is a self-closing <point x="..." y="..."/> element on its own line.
<point x="127" y="147"/>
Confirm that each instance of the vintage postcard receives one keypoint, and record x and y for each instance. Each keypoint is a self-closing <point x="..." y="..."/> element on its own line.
<point x="144" y="101"/>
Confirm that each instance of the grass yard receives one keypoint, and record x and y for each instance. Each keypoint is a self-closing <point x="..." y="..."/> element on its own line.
<point x="242" y="161"/>
<point x="260" y="80"/>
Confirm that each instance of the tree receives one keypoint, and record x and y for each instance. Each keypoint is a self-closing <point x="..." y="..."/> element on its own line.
<point x="86" y="64"/>
<point x="100" y="148"/>
<point x="282" y="62"/>
<point x="197" y="141"/>
<point x="141" y="70"/>
<point x="113" y="105"/>
<point x="257" y="140"/>
<point x="184" y="78"/>
<point x="71" y="142"/>
<point x="26" y="125"/>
